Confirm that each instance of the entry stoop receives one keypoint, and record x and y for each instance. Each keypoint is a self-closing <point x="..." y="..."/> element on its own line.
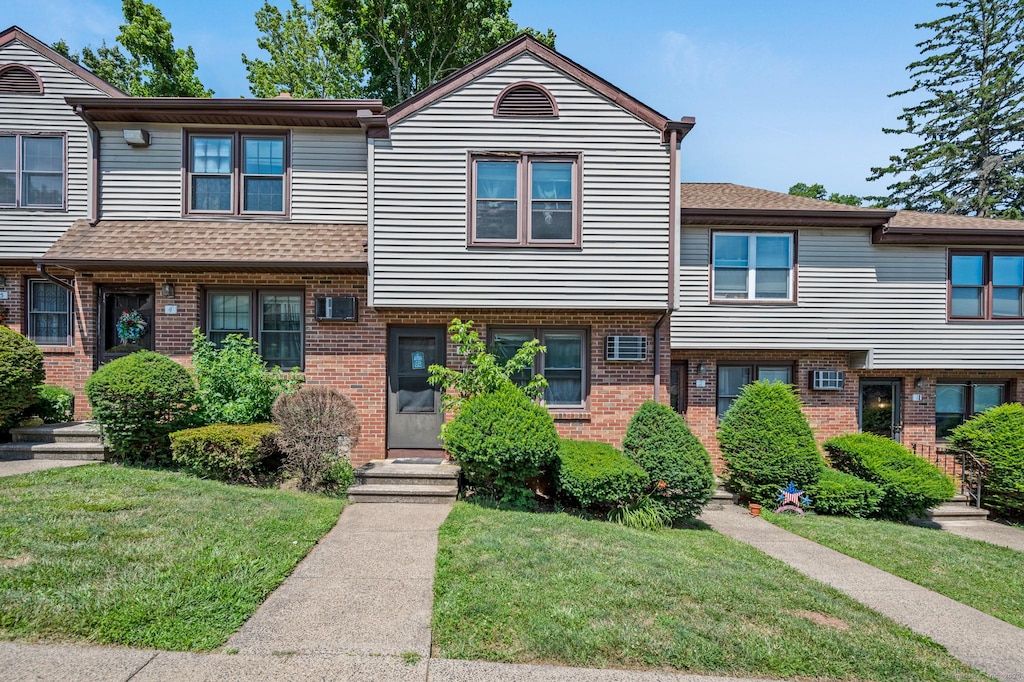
<point x="956" y="509"/>
<point x="391" y="481"/>
<point x="72" y="440"/>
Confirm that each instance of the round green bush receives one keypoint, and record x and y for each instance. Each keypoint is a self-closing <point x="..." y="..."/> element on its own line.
<point x="840" y="494"/>
<point x="236" y="453"/>
<point x="501" y="440"/>
<point x="54" y="405"/>
<point x="910" y="485"/>
<point x="678" y="466"/>
<point x="996" y="437"/>
<point x="596" y="475"/>
<point x="767" y="442"/>
<point x="138" y="400"/>
<point x="21" y="371"/>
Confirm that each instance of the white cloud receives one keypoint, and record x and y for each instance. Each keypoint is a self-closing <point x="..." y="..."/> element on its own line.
<point x="690" y="62"/>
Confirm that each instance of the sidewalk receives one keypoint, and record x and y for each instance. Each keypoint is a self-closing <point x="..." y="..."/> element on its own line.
<point x="986" y="531"/>
<point x="13" y="467"/>
<point x="978" y="639"/>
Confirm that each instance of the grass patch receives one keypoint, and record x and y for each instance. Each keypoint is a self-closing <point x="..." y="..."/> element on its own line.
<point x="145" y="558"/>
<point x="979" y="574"/>
<point x="533" y="588"/>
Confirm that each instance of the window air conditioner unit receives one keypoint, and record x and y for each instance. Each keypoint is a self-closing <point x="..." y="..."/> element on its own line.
<point x="337" y="308"/>
<point x="828" y="380"/>
<point x="626" y="348"/>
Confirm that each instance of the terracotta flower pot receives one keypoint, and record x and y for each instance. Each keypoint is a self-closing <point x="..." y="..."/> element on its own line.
<point x="755" y="509"/>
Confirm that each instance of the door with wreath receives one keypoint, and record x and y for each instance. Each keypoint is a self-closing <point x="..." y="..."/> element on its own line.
<point x="125" y="321"/>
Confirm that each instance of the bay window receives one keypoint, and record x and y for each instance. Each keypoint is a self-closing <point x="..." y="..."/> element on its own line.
<point x="752" y="266"/>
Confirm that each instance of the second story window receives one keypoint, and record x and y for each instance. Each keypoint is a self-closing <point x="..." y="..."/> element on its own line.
<point x="525" y="199"/>
<point x="752" y="266"/>
<point x="32" y="170"/>
<point x="986" y="285"/>
<point x="236" y="174"/>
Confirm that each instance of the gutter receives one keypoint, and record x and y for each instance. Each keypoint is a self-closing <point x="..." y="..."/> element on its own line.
<point x="973" y="236"/>
<point x="94" y="165"/>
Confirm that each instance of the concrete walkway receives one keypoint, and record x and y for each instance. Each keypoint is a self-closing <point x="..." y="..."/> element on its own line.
<point x="978" y="639"/>
<point x="13" y="467"/>
<point x="986" y="531"/>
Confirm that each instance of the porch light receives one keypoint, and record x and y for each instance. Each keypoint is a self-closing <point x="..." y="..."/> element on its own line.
<point x="167" y="290"/>
<point x="919" y="382"/>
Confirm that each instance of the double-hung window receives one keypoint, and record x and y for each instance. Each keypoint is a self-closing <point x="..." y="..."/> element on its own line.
<point x="956" y="402"/>
<point x="32" y="170"/>
<point x="752" y="266"/>
<point x="237" y="173"/>
<point x="274" y="318"/>
<point x="563" y="364"/>
<point x="986" y="285"/>
<point x="524" y="199"/>
<point x="49" y="313"/>
<point x="732" y="379"/>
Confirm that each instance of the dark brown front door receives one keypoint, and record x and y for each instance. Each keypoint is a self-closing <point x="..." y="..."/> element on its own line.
<point x="414" y="406"/>
<point x="881" y="408"/>
<point x="114" y="302"/>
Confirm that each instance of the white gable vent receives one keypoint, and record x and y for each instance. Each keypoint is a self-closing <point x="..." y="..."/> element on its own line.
<point x="339" y="308"/>
<point x="828" y="380"/>
<point x="16" y="79"/>
<point x="625" y="348"/>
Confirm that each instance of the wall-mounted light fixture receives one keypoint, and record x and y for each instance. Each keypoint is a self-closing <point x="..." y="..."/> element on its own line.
<point x="167" y="290"/>
<point x="3" y="281"/>
<point x="919" y="382"/>
<point x="701" y="368"/>
<point x="136" y="137"/>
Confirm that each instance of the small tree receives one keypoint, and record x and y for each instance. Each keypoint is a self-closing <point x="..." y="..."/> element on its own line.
<point x="21" y="371"/>
<point x="767" y="442"/>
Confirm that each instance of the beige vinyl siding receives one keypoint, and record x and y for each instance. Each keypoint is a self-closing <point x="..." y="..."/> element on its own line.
<point x="328" y="174"/>
<point x="28" y="233"/>
<point x="420" y="257"/>
<point x="852" y="295"/>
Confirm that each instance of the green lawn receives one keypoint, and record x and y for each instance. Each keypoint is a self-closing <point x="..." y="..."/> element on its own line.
<point x="551" y="588"/>
<point x="114" y="555"/>
<point x="985" y="576"/>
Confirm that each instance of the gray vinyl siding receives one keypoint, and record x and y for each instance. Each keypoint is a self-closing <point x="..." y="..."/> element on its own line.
<point x="420" y="257"/>
<point x="28" y="233"/>
<point x="852" y="295"/>
<point x="328" y="174"/>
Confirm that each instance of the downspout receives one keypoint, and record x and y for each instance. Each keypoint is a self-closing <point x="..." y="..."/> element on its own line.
<point x="673" y="242"/>
<point x="94" y="165"/>
<point x="41" y="269"/>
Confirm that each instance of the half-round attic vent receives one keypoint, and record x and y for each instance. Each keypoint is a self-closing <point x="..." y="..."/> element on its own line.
<point x="526" y="99"/>
<point x="16" y="79"/>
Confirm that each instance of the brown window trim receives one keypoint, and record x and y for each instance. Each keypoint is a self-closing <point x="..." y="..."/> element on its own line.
<point x="538" y="362"/>
<point x="18" y="135"/>
<point x="237" y="197"/>
<point x="969" y="397"/>
<point x="754" y="367"/>
<point x="523" y="198"/>
<point x="255" y="311"/>
<point x="986" y="285"/>
<point x="794" y="274"/>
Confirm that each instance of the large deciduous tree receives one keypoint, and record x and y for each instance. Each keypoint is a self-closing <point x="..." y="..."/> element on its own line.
<point x="150" y="65"/>
<point x="970" y="121"/>
<point x="310" y="53"/>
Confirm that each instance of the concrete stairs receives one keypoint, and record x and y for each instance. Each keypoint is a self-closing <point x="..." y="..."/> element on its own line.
<point x="391" y="481"/>
<point x="73" y="440"/>
<point x="956" y="509"/>
<point x="721" y="498"/>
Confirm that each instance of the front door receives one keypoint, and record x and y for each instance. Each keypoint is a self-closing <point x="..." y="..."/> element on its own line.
<point x="880" y="407"/>
<point x="414" y="406"/>
<point x="115" y="302"/>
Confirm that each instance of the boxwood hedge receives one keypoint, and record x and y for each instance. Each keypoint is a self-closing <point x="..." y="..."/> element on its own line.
<point x="596" y="475"/>
<point x="996" y="437"/>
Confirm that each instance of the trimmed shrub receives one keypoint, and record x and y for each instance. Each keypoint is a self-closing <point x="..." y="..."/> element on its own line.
<point x="840" y="494"/>
<point x="21" y="371"/>
<point x="911" y="485"/>
<point x="678" y="466"/>
<point x="54" y="405"/>
<point x="236" y="453"/>
<point x="235" y="386"/>
<point x="317" y="428"/>
<point x="597" y="475"/>
<point x="138" y="400"/>
<point x="767" y="442"/>
<point x="996" y="437"/>
<point x="502" y="440"/>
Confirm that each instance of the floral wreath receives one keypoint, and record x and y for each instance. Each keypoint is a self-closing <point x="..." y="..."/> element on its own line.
<point x="130" y="326"/>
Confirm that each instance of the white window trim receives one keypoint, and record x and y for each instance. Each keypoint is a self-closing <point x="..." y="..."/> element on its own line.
<point x="752" y="267"/>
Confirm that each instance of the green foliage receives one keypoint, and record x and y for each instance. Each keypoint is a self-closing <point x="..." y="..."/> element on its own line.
<point x="408" y="45"/>
<point x="484" y="372"/>
<point x="21" y="371"/>
<point x="312" y="55"/>
<point x="968" y="115"/>
<point x="318" y="427"/>
<point x="140" y="399"/>
<point x="840" y="494"/>
<point x="817" y="191"/>
<point x="996" y="437"/>
<point x="767" y="442"/>
<point x="678" y="466"/>
<point x="236" y="453"/>
<point x="911" y="485"/>
<point x="597" y="475"/>
<point x="645" y="512"/>
<point x="150" y="66"/>
<point x="235" y="386"/>
<point x="54" y="405"/>
<point x="502" y="439"/>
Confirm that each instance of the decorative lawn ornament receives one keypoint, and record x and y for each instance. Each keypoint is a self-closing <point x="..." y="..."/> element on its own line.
<point x="792" y="499"/>
<point x="131" y="326"/>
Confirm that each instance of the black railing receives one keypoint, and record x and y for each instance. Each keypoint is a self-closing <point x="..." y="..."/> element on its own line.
<point x="962" y="464"/>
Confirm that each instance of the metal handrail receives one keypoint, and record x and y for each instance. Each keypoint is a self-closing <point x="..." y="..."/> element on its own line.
<point x="966" y="468"/>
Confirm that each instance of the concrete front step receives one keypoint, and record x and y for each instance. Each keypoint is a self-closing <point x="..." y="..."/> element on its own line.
<point x="76" y="451"/>
<point x="386" y="481"/>
<point x="71" y="432"/>
<point x="425" y="494"/>
<point x="953" y="511"/>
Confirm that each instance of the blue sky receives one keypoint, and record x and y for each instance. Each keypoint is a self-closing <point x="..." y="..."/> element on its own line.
<point x="783" y="92"/>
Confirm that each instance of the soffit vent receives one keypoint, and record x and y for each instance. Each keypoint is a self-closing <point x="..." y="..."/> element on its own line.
<point x="19" y="80"/>
<point x="526" y="99"/>
<point x="626" y="348"/>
